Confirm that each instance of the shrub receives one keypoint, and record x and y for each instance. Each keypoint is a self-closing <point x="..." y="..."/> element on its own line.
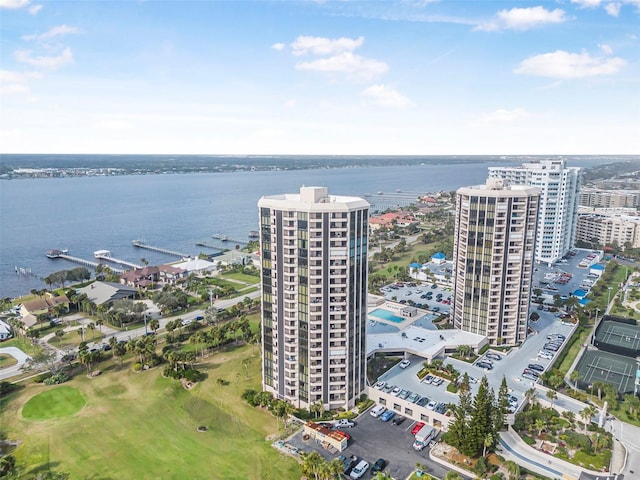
<point x="42" y="377"/>
<point x="193" y="375"/>
<point x="481" y="467"/>
<point x="6" y="388"/>
<point x="137" y="367"/>
<point x="56" y="379"/>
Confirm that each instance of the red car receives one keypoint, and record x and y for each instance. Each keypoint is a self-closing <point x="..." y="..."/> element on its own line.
<point x="344" y="434"/>
<point x="417" y="428"/>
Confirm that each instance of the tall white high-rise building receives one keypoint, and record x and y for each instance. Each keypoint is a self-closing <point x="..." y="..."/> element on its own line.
<point x="559" y="199"/>
<point x="493" y="247"/>
<point x="314" y="297"/>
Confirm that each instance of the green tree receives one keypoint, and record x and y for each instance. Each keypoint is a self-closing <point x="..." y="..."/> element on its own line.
<point x="513" y="470"/>
<point x="552" y="395"/>
<point x="59" y="334"/>
<point x="452" y="475"/>
<point x="154" y="324"/>
<point x="7" y="465"/>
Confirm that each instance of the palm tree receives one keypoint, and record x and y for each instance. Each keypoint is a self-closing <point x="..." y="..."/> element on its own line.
<point x="552" y="395"/>
<point x="570" y="417"/>
<point x="574" y="376"/>
<point x="60" y="334"/>
<point x="587" y="413"/>
<point x="531" y="395"/>
<point x="488" y="442"/>
<point x="92" y="327"/>
<point x="513" y="469"/>
<point x="539" y="425"/>
<point x="154" y="324"/>
<point x="312" y="463"/>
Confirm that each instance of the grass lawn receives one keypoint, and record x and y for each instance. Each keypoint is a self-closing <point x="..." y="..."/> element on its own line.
<point x="23" y="344"/>
<point x="7" y="360"/>
<point x="141" y="425"/>
<point x="73" y="339"/>
<point x="54" y="403"/>
<point x="572" y="353"/>
<point x="243" y="277"/>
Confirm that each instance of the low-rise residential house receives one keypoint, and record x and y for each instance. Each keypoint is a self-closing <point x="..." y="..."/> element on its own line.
<point x="141" y="277"/>
<point x="389" y="219"/>
<point x="5" y="331"/>
<point x="43" y="305"/>
<point x="171" y="274"/>
<point x="107" y="292"/>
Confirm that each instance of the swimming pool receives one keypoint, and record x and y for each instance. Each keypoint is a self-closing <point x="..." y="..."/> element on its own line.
<point x="386" y="315"/>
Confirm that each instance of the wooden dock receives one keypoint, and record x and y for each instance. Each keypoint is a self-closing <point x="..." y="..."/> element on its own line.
<point x="225" y="238"/>
<point x="208" y="245"/>
<point x="142" y="244"/>
<point x="53" y="254"/>
<point x="106" y="256"/>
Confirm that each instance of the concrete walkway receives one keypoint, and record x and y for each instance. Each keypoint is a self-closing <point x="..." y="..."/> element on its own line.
<point x="514" y="448"/>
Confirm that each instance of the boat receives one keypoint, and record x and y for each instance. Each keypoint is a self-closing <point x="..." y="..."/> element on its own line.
<point x="254" y="234"/>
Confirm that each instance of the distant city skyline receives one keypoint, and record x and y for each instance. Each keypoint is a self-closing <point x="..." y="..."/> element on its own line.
<point x="405" y="77"/>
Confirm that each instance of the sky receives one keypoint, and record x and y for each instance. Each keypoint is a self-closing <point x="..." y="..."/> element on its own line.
<point x="405" y="77"/>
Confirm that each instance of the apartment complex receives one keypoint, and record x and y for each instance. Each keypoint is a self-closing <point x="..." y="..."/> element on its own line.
<point x="606" y="226"/>
<point x="314" y="296"/>
<point x="558" y="217"/>
<point x="609" y="198"/>
<point x="493" y="256"/>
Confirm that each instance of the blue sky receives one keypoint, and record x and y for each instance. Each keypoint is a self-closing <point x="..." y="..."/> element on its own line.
<point x="414" y="77"/>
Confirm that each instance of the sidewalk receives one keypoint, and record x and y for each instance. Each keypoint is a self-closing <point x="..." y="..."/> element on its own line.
<point x="514" y="448"/>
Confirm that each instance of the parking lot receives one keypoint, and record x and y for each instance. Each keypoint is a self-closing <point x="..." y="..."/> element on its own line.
<point x="371" y="438"/>
<point x="423" y="295"/>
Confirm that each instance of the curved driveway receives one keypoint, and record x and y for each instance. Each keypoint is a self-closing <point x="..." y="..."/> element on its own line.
<point x="19" y="355"/>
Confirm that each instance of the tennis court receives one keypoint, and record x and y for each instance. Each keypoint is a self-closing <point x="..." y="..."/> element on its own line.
<point x="619" y="334"/>
<point x="616" y="370"/>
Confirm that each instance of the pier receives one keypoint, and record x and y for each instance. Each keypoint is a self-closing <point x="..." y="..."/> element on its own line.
<point x="208" y="245"/>
<point x="53" y="254"/>
<point x="106" y="256"/>
<point x="225" y="238"/>
<point x="142" y="244"/>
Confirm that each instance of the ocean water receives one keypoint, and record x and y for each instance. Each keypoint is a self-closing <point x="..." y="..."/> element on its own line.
<point x="174" y="211"/>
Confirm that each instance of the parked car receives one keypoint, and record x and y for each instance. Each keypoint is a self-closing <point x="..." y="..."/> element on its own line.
<point x="379" y="385"/>
<point x="359" y="470"/>
<point x="404" y="394"/>
<point x="347" y="463"/>
<point x="432" y="405"/>
<point x="404" y="363"/>
<point x="493" y="356"/>
<point x="437" y="381"/>
<point x="423" y="401"/>
<point x="429" y="378"/>
<point x="388" y="415"/>
<point x="416" y="428"/>
<point x="530" y="372"/>
<point x="529" y="377"/>
<point x="199" y="318"/>
<point x="344" y="423"/>
<point x="536" y="366"/>
<point x="378" y="410"/>
<point x="396" y="391"/>
<point x="379" y="465"/>
<point x="486" y="365"/>
<point x="398" y="420"/>
<point x="413" y="398"/>
<point x="547" y="355"/>
<point x="344" y="434"/>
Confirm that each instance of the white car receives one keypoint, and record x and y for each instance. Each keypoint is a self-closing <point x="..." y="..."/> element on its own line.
<point x="405" y="363"/>
<point x="432" y="405"/>
<point x="359" y="470"/>
<point x="396" y="391"/>
<point x="379" y="385"/>
<point x="344" y="423"/>
<point x="545" y="354"/>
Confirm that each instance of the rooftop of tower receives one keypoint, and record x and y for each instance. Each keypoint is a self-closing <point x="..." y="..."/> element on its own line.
<point x="313" y="198"/>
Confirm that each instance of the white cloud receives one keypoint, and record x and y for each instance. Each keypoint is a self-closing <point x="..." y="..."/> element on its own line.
<point x="52" y="32"/>
<point x="268" y="134"/>
<point x="48" y="63"/>
<point x="13" y="4"/>
<point x="278" y="46"/>
<point x="353" y="66"/>
<point x="290" y="103"/>
<point x="502" y="116"/>
<point x="587" y="3"/>
<point x="304" y="45"/>
<point x="387" y="96"/>
<point x="9" y="76"/>
<point x="561" y="64"/>
<point x="14" y="89"/>
<point x="114" y="125"/>
<point x="613" y="9"/>
<point x="523" y="19"/>
<point x="606" y="49"/>
<point x="35" y="9"/>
